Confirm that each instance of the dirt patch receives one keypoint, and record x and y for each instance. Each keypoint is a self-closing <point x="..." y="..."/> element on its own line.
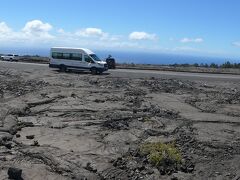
<point x="12" y="84"/>
<point x="210" y="99"/>
<point x="167" y="85"/>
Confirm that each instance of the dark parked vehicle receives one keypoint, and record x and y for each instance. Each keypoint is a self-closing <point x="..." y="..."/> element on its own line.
<point x="111" y="62"/>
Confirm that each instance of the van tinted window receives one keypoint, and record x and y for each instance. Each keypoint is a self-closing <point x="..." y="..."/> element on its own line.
<point x="94" y="56"/>
<point x="88" y="59"/>
<point x="57" y="55"/>
<point x="66" y="55"/>
<point x="76" y="56"/>
<point x="70" y="56"/>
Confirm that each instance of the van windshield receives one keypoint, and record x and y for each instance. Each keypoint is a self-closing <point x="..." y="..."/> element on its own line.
<point x="95" y="58"/>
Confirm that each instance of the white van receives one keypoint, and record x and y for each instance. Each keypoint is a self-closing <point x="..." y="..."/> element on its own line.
<point x="76" y="58"/>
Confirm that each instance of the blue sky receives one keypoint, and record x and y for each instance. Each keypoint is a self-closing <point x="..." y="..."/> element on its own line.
<point x="204" y="27"/>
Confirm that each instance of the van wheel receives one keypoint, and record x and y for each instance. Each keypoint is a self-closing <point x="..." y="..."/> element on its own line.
<point x="94" y="71"/>
<point x="62" y="68"/>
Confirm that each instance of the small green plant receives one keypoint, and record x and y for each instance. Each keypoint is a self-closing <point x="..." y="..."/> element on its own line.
<point x="146" y="119"/>
<point x="161" y="154"/>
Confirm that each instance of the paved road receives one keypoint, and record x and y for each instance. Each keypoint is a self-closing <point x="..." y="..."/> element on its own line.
<point x="135" y="73"/>
<point x="177" y="75"/>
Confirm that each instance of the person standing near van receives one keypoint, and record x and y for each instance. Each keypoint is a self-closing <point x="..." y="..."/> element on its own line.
<point x="111" y="62"/>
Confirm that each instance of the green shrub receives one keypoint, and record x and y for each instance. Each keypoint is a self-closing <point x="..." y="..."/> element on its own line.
<point x="161" y="154"/>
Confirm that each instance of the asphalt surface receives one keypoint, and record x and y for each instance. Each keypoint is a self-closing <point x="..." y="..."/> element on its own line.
<point x="134" y="73"/>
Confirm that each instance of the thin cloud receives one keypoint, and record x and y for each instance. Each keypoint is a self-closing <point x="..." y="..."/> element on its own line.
<point x="91" y="32"/>
<point x="186" y="48"/>
<point x="142" y="36"/>
<point x="237" y="44"/>
<point x="4" y="29"/>
<point x="61" y="31"/>
<point x="191" y="40"/>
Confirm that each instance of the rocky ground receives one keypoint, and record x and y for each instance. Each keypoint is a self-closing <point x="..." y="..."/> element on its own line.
<point x="79" y="126"/>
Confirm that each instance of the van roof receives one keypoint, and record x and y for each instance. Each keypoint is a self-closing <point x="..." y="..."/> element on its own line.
<point x="88" y="51"/>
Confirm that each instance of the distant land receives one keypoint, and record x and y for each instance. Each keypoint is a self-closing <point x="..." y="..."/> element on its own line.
<point x="132" y="57"/>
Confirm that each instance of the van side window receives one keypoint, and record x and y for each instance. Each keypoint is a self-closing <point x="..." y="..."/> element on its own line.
<point x="76" y="56"/>
<point x="66" y="56"/>
<point x="88" y="59"/>
<point x="57" y="55"/>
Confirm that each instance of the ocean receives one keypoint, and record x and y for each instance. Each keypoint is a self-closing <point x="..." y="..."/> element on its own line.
<point x="132" y="57"/>
<point x="162" y="58"/>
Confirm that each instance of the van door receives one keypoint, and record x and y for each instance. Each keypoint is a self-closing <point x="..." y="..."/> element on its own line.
<point x="77" y="60"/>
<point x="88" y="62"/>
